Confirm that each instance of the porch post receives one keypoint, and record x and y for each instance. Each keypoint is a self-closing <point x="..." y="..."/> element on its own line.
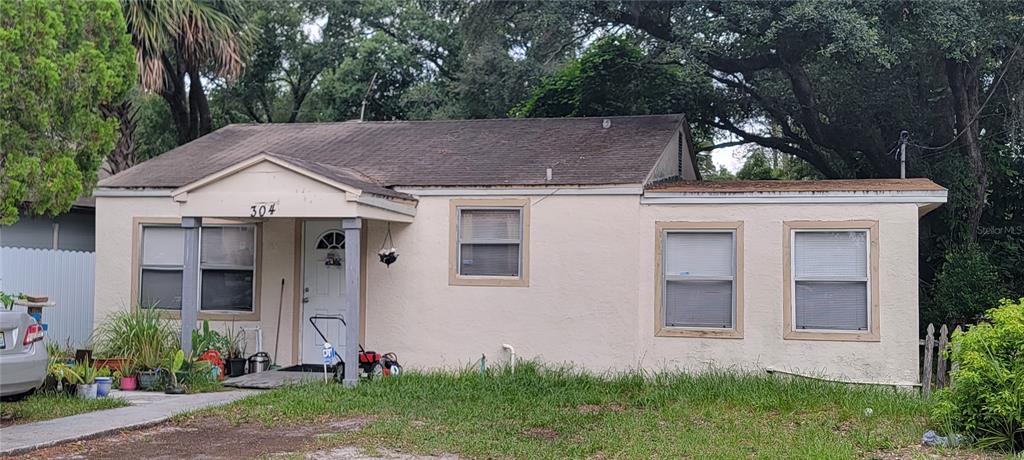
<point x="190" y="281"/>
<point x="353" y="251"/>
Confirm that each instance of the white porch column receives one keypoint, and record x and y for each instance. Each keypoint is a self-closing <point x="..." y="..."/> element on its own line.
<point x="190" y="281"/>
<point x="353" y="251"/>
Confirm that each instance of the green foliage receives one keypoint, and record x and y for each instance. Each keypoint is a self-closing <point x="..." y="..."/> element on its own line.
<point x="986" y="399"/>
<point x="966" y="285"/>
<point x="81" y="373"/>
<point x="61" y="61"/>
<point x="764" y="164"/>
<point x="142" y="335"/>
<point x="206" y="339"/>
<point x="540" y="412"/>
<point x="615" y="76"/>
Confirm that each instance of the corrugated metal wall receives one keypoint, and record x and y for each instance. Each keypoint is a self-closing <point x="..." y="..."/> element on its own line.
<point x="67" y="277"/>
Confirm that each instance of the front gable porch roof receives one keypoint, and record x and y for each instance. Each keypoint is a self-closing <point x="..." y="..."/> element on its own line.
<point x="295" y="188"/>
<point x="344" y="179"/>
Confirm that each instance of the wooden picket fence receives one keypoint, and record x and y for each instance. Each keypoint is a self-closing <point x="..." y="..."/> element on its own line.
<point x="936" y="367"/>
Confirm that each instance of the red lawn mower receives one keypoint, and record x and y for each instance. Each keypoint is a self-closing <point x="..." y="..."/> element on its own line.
<point x="371" y="364"/>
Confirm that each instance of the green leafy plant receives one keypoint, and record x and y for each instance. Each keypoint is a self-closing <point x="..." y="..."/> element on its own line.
<point x="986" y="400"/>
<point x="207" y="339"/>
<point x="235" y="342"/>
<point x="83" y="374"/>
<point x="142" y="335"/>
<point x="174" y="364"/>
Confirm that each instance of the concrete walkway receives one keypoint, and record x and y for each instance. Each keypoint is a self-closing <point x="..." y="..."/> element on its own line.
<point x="147" y="408"/>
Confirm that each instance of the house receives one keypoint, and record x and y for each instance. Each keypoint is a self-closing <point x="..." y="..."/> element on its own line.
<point x="589" y="241"/>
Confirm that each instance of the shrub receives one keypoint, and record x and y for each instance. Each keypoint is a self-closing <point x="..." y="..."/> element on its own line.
<point x="966" y="285"/>
<point x="986" y="400"/>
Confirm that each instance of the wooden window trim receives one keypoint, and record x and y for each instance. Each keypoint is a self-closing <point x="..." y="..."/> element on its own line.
<point x="660" y="330"/>
<point x="454" y="278"/>
<point x="139" y="222"/>
<point x="788" y="333"/>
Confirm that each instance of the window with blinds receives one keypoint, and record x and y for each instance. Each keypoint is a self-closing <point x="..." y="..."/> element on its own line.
<point x="699" y="279"/>
<point x="227" y="266"/>
<point x="160" y="267"/>
<point x="830" y="280"/>
<point x="490" y="241"/>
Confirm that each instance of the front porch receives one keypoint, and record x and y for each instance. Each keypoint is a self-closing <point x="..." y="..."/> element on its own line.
<point x="311" y="215"/>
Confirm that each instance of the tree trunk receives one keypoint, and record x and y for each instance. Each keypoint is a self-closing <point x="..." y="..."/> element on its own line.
<point x="123" y="156"/>
<point x="964" y="86"/>
<point x="199" y="104"/>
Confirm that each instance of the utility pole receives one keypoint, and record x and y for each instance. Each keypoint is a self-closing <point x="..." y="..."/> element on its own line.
<point x="362" y="110"/>
<point x="903" y="154"/>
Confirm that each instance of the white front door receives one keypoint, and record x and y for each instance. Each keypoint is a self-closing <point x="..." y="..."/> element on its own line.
<point x="323" y="291"/>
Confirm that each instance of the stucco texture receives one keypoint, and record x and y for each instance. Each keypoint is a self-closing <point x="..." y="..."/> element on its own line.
<point x="591" y="294"/>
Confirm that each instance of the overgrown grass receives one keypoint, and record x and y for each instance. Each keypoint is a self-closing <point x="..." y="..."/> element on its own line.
<point x="45" y="406"/>
<point x="558" y="413"/>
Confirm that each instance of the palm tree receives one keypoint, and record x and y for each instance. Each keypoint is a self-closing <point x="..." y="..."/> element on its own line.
<point x="177" y="42"/>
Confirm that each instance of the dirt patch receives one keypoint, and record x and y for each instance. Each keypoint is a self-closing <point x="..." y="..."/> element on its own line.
<point x="598" y="408"/>
<point x="208" y="438"/>
<point x="541" y="433"/>
<point x="933" y="453"/>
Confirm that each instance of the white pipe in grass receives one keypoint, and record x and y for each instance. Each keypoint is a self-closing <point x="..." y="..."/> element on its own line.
<point x="511" y="356"/>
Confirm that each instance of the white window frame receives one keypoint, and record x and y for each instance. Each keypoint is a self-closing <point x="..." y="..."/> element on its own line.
<point x="662" y="329"/>
<point x="870" y="229"/>
<point x="252" y="313"/>
<point x="158" y="267"/>
<point x="485" y="241"/>
<point x="455" y="276"/>
<point x="218" y="267"/>
<point x="866" y="279"/>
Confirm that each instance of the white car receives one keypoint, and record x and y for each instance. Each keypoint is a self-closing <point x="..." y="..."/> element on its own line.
<point x="23" y="356"/>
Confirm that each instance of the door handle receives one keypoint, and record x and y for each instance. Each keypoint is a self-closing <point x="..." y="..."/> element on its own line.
<point x="305" y="300"/>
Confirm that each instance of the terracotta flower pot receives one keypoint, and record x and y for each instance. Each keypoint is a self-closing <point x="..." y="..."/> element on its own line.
<point x="114" y="364"/>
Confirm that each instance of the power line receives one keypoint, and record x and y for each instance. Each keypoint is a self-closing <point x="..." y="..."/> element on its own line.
<point x="992" y="92"/>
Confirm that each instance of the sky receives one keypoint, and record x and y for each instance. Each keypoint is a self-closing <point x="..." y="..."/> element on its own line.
<point x="730" y="157"/>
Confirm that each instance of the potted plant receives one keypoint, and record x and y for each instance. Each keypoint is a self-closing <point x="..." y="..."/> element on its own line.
<point x="141" y="336"/>
<point x="174" y="366"/>
<point x="235" y="352"/>
<point x="85" y="377"/>
<point x="126" y="378"/>
<point x="103" y="381"/>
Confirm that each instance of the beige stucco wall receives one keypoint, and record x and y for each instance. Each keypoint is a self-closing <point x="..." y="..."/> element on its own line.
<point x="590" y="299"/>
<point x="591" y="295"/>
<point x="115" y="219"/>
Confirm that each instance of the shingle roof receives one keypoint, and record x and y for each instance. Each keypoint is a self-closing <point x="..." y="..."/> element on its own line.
<point x="835" y="185"/>
<point x="344" y="175"/>
<point x="500" y="152"/>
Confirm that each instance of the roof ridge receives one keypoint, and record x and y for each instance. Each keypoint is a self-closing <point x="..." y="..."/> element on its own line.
<point x="460" y="120"/>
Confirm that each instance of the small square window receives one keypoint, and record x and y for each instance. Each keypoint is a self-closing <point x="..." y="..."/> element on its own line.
<point x="489" y="242"/>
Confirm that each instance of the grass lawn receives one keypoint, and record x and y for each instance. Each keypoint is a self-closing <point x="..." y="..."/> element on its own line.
<point x="538" y="413"/>
<point x="44" y="406"/>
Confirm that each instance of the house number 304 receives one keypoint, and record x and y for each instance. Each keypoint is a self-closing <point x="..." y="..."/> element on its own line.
<point x="262" y="209"/>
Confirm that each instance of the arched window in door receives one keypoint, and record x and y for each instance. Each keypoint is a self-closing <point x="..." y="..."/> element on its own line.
<point x="331" y="239"/>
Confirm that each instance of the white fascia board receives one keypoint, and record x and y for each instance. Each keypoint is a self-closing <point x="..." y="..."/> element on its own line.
<point x="919" y="197"/>
<point x="137" y="193"/>
<point x="524" y="191"/>
<point x="386" y="204"/>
